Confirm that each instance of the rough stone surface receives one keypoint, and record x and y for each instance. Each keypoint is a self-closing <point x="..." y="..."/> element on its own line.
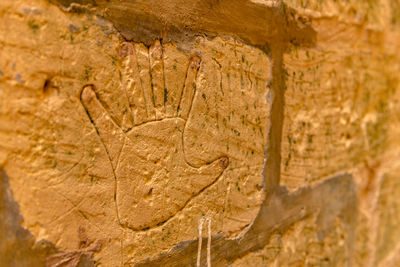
<point x="124" y="123"/>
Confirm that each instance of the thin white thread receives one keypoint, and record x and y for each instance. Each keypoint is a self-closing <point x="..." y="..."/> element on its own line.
<point x="200" y="241"/>
<point x="201" y="222"/>
<point x="209" y="243"/>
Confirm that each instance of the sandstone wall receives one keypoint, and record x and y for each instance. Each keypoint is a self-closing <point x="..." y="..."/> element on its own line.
<point x="125" y="124"/>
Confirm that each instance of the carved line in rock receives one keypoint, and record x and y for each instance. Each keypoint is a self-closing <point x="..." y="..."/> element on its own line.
<point x="147" y="95"/>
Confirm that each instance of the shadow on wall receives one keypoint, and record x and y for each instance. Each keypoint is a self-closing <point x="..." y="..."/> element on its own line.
<point x="18" y="246"/>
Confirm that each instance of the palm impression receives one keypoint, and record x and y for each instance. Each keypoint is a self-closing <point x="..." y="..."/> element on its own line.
<point x="154" y="179"/>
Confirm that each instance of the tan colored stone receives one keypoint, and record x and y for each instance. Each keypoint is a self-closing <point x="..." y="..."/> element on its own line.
<point x="300" y="246"/>
<point x="338" y="103"/>
<point x="105" y="158"/>
<point x="124" y="123"/>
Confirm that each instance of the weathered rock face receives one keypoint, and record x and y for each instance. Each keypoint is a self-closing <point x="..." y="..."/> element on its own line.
<point x="123" y="124"/>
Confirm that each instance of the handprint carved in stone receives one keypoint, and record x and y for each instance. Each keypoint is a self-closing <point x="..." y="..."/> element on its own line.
<point x="153" y="178"/>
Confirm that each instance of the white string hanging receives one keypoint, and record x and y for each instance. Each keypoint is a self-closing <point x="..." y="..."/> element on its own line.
<point x="201" y="222"/>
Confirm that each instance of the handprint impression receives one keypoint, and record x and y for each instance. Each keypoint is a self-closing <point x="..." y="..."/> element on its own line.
<point x="153" y="178"/>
